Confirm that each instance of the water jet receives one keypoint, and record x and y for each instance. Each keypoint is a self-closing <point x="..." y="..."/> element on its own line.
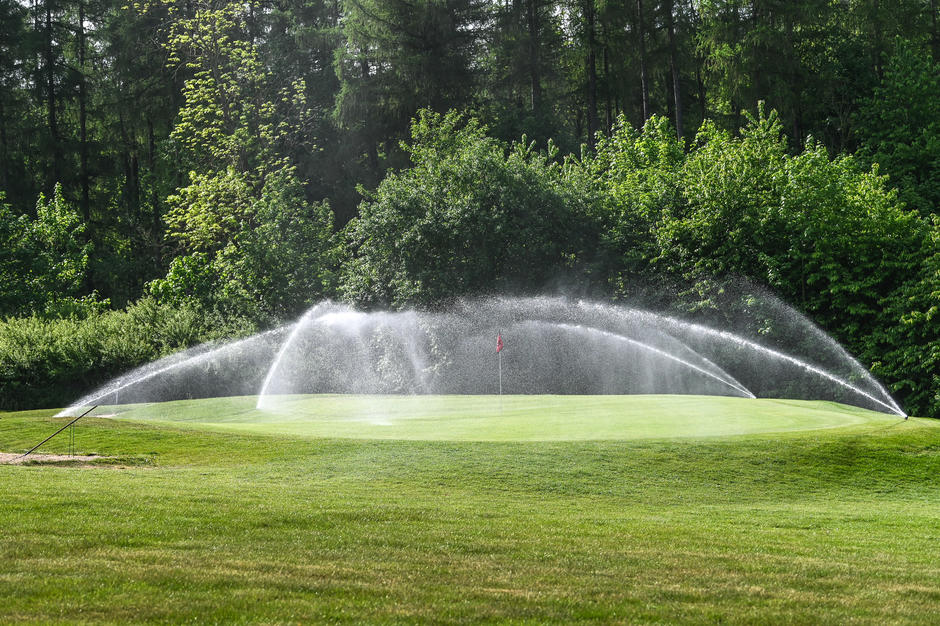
<point x="553" y="345"/>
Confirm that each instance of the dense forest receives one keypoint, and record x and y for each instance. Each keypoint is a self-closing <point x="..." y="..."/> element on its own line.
<point x="174" y="171"/>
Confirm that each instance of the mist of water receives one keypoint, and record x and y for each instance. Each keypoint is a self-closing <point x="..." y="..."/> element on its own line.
<point x="553" y="345"/>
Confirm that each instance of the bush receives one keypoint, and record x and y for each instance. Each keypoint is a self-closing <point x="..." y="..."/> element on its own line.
<point x="826" y="235"/>
<point x="898" y="127"/>
<point x="263" y="253"/>
<point x="471" y="216"/>
<point x="44" y="261"/>
<point x="50" y="362"/>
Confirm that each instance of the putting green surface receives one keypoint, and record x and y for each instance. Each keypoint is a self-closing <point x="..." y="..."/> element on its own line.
<point x="510" y="418"/>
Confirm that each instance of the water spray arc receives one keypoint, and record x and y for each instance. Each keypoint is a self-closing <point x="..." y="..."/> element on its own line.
<point x="280" y="353"/>
<point x="726" y="379"/>
<point x="559" y="346"/>
<point x="886" y="401"/>
<point x="179" y="362"/>
<point x="682" y="329"/>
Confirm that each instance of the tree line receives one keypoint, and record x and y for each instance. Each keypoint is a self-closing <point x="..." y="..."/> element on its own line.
<point x="243" y="160"/>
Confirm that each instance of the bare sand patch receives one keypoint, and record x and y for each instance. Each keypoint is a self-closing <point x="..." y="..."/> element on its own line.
<point x="13" y="458"/>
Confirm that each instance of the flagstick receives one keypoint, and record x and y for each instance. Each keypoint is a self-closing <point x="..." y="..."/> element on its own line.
<point x="500" y="359"/>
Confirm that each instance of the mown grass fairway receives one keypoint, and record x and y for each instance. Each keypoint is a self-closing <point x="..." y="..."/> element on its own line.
<point x="217" y="516"/>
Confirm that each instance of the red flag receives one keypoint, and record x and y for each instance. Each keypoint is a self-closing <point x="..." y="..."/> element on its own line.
<point x="499" y="342"/>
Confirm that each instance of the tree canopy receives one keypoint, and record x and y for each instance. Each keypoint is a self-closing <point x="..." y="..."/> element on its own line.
<point x="241" y="161"/>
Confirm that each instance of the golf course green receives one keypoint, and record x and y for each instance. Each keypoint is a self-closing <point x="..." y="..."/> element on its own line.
<point x="509" y="418"/>
<point x="455" y="509"/>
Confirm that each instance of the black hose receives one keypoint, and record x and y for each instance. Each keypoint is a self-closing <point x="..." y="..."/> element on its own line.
<point x="34" y="448"/>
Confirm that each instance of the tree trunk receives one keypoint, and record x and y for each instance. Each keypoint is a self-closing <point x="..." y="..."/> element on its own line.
<point x="757" y="75"/>
<point x="3" y="144"/>
<point x="735" y="96"/>
<point x="135" y="184"/>
<point x="674" y="65"/>
<point x="592" y="121"/>
<point x="252" y="23"/>
<point x="155" y="238"/>
<point x="699" y="83"/>
<point x="670" y="101"/>
<point x="607" y="83"/>
<point x="129" y="157"/>
<point x="641" y="37"/>
<point x="372" y="147"/>
<point x="535" y="79"/>
<point x="152" y="164"/>
<point x="702" y="99"/>
<point x="82" y="116"/>
<point x="52" y="118"/>
<point x="877" y="38"/>
<point x="795" y="84"/>
<point x="934" y="35"/>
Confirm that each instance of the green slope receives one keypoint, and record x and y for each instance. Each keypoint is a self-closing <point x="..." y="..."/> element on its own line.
<point x="511" y="418"/>
<point x="203" y="524"/>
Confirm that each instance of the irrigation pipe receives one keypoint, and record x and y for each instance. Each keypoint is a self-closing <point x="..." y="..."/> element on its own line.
<point x="36" y="447"/>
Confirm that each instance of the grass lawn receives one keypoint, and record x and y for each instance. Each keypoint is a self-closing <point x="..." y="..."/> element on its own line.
<point x="632" y="509"/>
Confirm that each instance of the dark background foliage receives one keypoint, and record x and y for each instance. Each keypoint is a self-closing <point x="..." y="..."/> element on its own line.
<point x="236" y="162"/>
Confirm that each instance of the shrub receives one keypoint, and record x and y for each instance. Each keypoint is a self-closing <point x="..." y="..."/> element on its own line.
<point x="470" y="216"/>
<point x="50" y="362"/>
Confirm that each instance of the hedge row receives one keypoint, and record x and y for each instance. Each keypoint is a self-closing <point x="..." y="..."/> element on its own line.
<point x="50" y="362"/>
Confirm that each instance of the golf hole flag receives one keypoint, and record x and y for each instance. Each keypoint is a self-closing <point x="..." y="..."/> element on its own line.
<point x="499" y="342"/>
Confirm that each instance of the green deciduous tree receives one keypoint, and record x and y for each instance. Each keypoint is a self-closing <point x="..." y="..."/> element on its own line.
<point x="899" y="127"/>
<point x="907" y="351"/>
<point x="234" y="113"/>
<point x="250" y="242"/>
<point x="258" y="254"/>
<point x="637" y="173"/>
<point x="825" y="234"/>
<point x="470" y="216"/>
<point x="43" y="261"/>
<point x="399" y="57"/>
